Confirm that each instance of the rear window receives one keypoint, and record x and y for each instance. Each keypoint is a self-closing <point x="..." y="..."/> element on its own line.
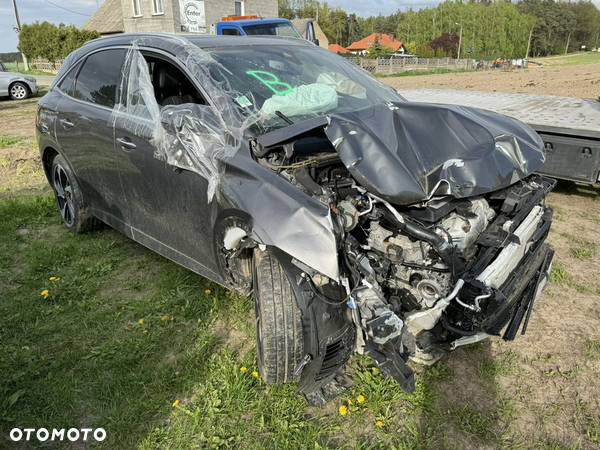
<point x="230" y="32"/>
<point x="272" y="29"/>
<point x="99" y="77"/>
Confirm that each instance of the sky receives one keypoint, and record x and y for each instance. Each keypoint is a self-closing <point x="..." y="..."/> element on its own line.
<point x="40" y="10"/>
<point x="77" y="12"/>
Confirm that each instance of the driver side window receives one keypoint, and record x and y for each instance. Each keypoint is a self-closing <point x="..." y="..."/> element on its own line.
<point x="171" y="86"/>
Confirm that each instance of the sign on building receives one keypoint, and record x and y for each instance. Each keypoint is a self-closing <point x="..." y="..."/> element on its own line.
<point x="193" y="16"/>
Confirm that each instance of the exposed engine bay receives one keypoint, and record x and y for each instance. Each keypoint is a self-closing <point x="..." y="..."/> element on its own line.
<point x="420" y="280"/>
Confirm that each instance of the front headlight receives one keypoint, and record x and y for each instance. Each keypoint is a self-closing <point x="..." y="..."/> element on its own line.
<point x="509" y="147"/>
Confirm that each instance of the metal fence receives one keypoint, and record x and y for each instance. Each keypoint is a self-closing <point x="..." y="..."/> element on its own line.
<point x="414" y="63"/>
<point x="390" y="65"/>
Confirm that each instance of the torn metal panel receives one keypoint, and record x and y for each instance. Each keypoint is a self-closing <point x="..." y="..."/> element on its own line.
<point x="299" y="225"/>
<point x="408" y="152"/>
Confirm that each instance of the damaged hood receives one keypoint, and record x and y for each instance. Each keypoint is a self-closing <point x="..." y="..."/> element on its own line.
<point x="408" y="152"/>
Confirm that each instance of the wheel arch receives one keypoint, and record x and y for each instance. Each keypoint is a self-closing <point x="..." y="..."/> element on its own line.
<point x="24" y="83"/>
<point x="48" y="155"/>
<point x="233" y="241"/>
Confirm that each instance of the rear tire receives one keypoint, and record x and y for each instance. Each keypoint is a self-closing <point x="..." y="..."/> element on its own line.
<point x="69" y="198"/>
<point x="279" y="336"/>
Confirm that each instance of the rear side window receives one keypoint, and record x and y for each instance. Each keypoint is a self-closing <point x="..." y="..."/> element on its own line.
<point x="99" y="77"/>
<point x="67" y="85"/>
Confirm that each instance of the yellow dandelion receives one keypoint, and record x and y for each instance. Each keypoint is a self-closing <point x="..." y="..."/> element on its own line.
<point x="361" y="399"/>
<point x="54" y="279"/>
<point x="44" y="293"/>
<point x="343" y="410"/>
<point x="176" y="403"/>
<point x="243" y="369"/>
<point x="207" y="291"/>
<point x="255" y="374"/>
<point x="380" y="423"/>
<point x="141" y="322"/>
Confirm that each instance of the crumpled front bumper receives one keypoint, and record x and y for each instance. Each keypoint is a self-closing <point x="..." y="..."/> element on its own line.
<point x="501" y="291"/>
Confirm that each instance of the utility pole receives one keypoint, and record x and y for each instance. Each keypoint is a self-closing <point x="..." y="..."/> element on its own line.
<point x="18" y="29"/>
<point x="529" y="44"/>
<point x="567" y="46"/>
<point x="459" y="39"/>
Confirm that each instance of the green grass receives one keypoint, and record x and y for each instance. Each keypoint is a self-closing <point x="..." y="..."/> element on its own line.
<point x="124" y="333"/>
<point x="475" y="423"/>
<point x="572" y="59"/>
<point x="9" y="141"/>
<point x="561" y="276"/>
<point x="591" y="350"/>
<point x="19" y="68"/>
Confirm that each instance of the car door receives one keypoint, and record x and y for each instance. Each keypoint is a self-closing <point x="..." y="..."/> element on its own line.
<point x="4" y="78"/>
<point x="84" y="131"/>
<point x="168" y="207"/>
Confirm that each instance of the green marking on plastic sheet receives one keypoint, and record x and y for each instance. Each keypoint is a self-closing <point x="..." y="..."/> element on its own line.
<point x="271" y="81"/>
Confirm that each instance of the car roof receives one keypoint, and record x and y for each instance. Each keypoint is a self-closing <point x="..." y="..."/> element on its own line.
<point x="170" y="42"/>
<point x="175" y="45"/>
<point x="254" y="21"/>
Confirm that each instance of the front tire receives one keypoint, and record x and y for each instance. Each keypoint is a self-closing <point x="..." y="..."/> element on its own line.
<point x="279" y="336"/>
<point x="18" y="91"/>
<point x="69" y="198"/>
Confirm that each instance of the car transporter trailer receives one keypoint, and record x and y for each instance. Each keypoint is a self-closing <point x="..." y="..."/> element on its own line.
<point x="569" y="127"/>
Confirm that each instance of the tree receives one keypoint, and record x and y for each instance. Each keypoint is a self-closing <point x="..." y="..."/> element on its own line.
<point x="446" y="44"/>
<point x="48" y="41"/>
<point x="491" y="29"/>
<point x="285" y="9"/>
<point x="379" y="51"/>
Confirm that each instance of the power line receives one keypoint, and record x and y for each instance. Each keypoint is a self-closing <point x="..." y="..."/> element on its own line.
<point x="67" y="9"/>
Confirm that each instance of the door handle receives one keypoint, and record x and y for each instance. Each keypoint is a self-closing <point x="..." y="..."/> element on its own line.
<point x="66" y="123"/>
<point x="126" y="143"/>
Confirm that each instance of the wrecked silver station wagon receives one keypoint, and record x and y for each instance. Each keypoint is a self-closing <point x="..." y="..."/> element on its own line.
<point x="359" y="221"/>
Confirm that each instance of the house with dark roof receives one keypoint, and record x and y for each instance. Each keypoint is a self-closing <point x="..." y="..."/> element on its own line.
<point x="173" y="16"/>
<point x="363" y="46"/>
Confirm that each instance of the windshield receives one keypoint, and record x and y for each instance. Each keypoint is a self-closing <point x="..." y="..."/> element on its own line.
<point x="296" y="81"/>
<point x="272" y="29"/>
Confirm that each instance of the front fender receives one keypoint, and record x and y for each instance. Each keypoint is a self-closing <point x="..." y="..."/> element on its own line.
<point x="282" y="216"/>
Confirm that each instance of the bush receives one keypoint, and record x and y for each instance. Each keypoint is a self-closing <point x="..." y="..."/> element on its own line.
<point x="446" y="45"/>
<point x="48" y="41"/>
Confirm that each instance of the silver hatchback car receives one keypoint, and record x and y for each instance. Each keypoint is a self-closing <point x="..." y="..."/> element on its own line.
<point x="15" y="85"/>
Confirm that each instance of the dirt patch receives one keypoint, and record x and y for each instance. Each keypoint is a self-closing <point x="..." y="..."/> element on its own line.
<point x="21" y="170"/>
<point x="571" y="81"/>
<point x="18" y="118"/>
<point x="233" y="337"/>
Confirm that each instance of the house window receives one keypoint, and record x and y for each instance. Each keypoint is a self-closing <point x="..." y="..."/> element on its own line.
<point x="239" y="7"/>
<point x="137" y="8"/>
<point x="157" y="6"/>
